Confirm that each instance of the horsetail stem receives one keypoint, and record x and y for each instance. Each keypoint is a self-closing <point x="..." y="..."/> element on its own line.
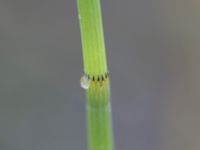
<point x="95" y="79"/>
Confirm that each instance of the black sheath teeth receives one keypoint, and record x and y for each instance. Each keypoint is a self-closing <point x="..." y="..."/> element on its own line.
<point x="98" y="78"/>
<point x="106" y="75"/>
<point x="93" y="78"/>
<point x="102" y="77"/>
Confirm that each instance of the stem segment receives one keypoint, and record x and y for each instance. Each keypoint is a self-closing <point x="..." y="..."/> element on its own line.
<point x="99" y="120"/>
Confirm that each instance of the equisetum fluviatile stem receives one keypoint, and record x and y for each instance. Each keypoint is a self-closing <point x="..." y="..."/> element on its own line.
<point x="95" y="79"/>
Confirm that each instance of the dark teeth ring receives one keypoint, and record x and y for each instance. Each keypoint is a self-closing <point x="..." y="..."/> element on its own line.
<point x="97" y="78"/>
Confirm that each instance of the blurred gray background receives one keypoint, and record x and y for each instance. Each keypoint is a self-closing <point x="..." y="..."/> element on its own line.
<point x="153" y="50"/>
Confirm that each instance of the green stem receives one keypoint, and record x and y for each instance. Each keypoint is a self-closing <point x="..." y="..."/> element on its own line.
<point x="99" y="119"/>
<point x="92" y="37"/>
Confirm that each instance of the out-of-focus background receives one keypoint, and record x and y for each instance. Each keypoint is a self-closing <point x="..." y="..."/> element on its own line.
<point x="153" y="52"/>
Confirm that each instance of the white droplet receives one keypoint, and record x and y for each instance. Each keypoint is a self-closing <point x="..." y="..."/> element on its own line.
<point x="85" y="82"/>
<point x="79" y="16"/>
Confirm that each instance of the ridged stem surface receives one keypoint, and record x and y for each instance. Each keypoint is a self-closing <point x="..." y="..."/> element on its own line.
<point x="98" y="107"/>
